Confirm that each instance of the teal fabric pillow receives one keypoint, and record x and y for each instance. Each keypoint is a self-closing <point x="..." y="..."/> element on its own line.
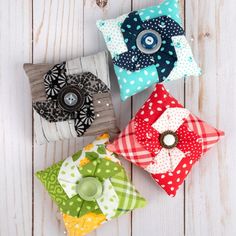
<point x="148" y="46"/>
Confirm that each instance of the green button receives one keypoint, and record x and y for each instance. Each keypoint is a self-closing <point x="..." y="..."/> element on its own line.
<point x="90" y="188"/>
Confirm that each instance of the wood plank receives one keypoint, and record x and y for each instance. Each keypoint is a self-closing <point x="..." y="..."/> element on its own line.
<point x="52" y="44"/>
<point x="211" y="194"/>
<point x="57" y="37"/>
<point x="163" y="215"/>
<point x="94" y="42"/>
<point x="15" y="119"/>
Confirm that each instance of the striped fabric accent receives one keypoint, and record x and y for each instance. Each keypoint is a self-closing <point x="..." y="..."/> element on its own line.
<point x="128" y="195"/>
<point x="128" y="146"/>
<point x="210" y="136"/>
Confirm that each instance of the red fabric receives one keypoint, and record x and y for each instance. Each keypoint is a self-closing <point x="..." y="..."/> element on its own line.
<point x="139" y="142"/>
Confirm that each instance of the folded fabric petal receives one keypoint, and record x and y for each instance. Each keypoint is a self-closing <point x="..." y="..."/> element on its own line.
<point x="90" y="187"/>
<point x="165" y="139"/>
<point x="171" y="119"/>
<point x="154" y="37"/>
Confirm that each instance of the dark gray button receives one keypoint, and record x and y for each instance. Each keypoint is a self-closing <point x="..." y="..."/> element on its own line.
<point x="71" y="98"/>
<point x="149" y="41"/>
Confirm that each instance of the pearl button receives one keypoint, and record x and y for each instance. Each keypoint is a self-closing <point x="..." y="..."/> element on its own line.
<point x="168" y="139"/>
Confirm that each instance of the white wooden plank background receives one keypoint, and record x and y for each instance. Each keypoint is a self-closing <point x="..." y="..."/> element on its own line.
<point x="55" y="30"/>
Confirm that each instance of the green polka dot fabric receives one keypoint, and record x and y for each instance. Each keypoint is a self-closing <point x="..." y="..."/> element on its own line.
<point x="148" y="46"/>
<point x="62" y="181"/>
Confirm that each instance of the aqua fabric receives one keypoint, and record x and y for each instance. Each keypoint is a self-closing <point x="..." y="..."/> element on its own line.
<point x="132" y="83"/>
<point x="168" y="7"/>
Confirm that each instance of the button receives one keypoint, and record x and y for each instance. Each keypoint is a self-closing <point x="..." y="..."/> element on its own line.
<point x="90" y="188"/>
<point x="149" y="41"/>
<point x="168" y="139"/>
<point x="70" y="98"/>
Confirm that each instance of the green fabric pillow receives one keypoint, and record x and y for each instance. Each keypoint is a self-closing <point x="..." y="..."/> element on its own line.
<point x="92" y="181"/>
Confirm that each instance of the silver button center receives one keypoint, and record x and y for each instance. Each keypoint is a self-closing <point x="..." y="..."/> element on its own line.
<point x="70" y="99"/>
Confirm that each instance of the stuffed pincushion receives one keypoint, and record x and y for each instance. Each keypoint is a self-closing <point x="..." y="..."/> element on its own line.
<point x="147" y="47"/>
<point x="72" y="99"/>
<point x="90" y="188"/>
<point x="165" y="139"/>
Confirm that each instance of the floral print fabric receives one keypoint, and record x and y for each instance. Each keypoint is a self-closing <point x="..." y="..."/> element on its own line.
<point x="55" y="80"/>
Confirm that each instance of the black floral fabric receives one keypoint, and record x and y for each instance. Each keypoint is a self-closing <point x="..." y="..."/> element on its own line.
<point x="55" y="80"/>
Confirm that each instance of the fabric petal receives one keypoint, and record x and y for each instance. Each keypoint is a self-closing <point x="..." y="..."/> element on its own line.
<point x="165" y="59"/>
<point x="185" y="65"/>
<point x="85" y="116"/>
<point x="176" y="155"/>
<point x="156" y="105"/>
<point x="83" y="225"/>
<point x="165" y="26"/>
<point x="209" y="135"/>
<point x="112" y="34"/>
<point x="106" y="169"/>
<point x="189" y="142"/>
<point x="129" y="198"/>
<point x="109" y="201"/>
<point x="51" y="111"/>
<point x="54" y="80"/>
<point x="161" y="164"/>
<point x="130" y="28"/>
<point x="166" y="7"/>
<point x="132" y="83"/>
<point x="134" y="60"/>
<point x="69" y="176"/>
<point x="72" y="206"/>
<point x="128" y="146"/>
<point x="171" y="119"/>
<point x="147" y="136"/>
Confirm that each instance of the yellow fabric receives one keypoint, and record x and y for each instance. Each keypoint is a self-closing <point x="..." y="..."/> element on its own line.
<point x="83" y="225"/>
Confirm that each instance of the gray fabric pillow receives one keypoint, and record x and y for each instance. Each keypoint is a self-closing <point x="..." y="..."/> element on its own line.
<point x="90" y="98"/>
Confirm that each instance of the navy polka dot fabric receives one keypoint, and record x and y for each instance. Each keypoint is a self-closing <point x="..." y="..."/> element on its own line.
<point x="134" y="59"/>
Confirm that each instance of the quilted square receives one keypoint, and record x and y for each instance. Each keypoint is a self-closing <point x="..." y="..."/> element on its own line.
<point x="90" y="188"/>
<point x="71" y="99"/>
<point x="165" y="139"/>
<point x="148" y="46"/>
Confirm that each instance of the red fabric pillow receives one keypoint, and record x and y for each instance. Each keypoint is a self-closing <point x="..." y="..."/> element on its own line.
<point x="165" y="139"/>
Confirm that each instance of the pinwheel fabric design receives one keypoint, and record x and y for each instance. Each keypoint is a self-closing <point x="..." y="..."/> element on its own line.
<point x="165" y="139"/>
<point x="90" y="188"/>
<point x="70" y="97"/>
<point x="147" y="47"/>
<point x="70" y="101"/>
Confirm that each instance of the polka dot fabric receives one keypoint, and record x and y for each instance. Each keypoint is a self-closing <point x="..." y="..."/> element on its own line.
<point x="169" y="55"/>
<point x="140" y="141"/>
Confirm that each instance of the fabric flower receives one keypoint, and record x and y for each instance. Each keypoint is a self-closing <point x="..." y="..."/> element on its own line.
<point x="165" y="139"/>
<point x="181" y="142"/>
<point x="90" y="188"/>
<point x="135" y="58"/>
<point x="70" y="97"/>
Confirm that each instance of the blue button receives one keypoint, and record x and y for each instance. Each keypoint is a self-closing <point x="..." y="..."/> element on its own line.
<point x="149" y="41"/>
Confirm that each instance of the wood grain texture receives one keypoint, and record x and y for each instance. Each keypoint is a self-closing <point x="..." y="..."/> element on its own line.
<point x="210" y="194"/>
<point x="15" y="119"/>
<point x="164" y="210"/>
<point x="65" y="29"/>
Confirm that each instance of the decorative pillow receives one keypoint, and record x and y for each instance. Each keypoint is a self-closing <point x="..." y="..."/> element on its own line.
<point x="165" y="139"/>
<point x="90" y="188"/>
<point x="72" y="99"/>
<point x="147" y="47"/>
